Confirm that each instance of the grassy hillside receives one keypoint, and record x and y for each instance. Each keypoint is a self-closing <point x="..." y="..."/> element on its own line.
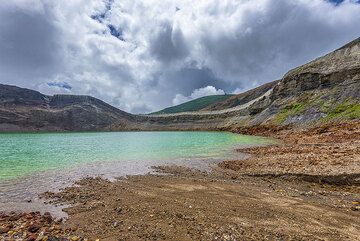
<point x="194" y="105"/>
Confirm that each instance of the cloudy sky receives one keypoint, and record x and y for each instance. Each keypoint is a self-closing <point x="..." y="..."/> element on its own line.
<point x="143" y="55"/>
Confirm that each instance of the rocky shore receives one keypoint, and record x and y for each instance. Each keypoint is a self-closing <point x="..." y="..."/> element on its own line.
<point x="33" y="226"/>
<point x="305" y="188"/>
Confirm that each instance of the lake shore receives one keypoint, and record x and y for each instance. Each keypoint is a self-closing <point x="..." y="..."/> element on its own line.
<point x="305" y="188"/>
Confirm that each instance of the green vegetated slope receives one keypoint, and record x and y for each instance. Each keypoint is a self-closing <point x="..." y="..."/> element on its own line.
<point x="195" y="105"/>
<point x="323" y="90"/>
<point x="327" y="108"/>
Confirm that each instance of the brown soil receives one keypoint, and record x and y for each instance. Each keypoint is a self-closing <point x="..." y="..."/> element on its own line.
<point x="305" y="188"/>
<point x="328" y="150"/>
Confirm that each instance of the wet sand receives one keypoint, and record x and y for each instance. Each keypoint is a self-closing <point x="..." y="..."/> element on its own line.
<point x="306" y="188"/>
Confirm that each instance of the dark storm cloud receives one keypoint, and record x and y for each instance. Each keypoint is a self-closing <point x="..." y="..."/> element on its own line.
<point x="185" y="80"/>
<point x="28" y="46"/>
<point x="268" y="43"/>
<point x="168" y="43"/>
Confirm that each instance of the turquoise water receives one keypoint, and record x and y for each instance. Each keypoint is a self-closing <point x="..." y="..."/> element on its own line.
<point x="33" y="153"/>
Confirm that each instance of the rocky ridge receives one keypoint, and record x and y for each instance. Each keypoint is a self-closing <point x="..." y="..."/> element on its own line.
<point x="24" y="109"/>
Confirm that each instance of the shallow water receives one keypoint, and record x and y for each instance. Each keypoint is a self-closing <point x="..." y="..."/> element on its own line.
<point x="31" y="163"/>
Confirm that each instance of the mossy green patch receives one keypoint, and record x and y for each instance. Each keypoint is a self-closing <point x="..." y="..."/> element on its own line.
<point x="344" y="111"/>
<point x="289" y="110"/>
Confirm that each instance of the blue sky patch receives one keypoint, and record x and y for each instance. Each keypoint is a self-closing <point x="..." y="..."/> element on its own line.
<point x="101" y="16"/>
<point x="338" y="2"/>
<point x="63" y="85"/>
<point x="115" y="32"/>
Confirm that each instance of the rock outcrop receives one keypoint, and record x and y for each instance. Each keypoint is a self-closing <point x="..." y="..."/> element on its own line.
<point x="315" y="90"/>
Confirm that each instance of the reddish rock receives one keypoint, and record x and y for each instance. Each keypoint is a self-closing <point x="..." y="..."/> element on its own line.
<point x="32" y="237"/>
<point x="14" y="217"/>
<point x="34" y="228"/>
<point x="29" y="216"/>
<point x="47" y="217"/>
<point x="4" y="230"/>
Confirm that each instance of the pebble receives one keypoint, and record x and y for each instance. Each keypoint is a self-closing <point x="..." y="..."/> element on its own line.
<point x="356" y="208"/>
<point x="51" y="238"/>
<point x="75" y="238"/>
<point x="33" y="228"/>
<point x="47" y="217"/>
<point x="32" y="237"/>
<point x="4" y="230"/>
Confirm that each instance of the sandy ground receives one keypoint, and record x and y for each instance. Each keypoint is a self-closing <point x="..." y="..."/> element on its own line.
<point x="305" y="188"/>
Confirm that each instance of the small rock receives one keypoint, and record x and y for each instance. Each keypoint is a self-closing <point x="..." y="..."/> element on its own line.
<point x="32" y="237"/>
<point x="33" y="228"/>
<point x="52" y="238"/>
<point x="47" y="217"/>
<point x="75" y="238"/>
<point x="356" y="208"/>
<point x="4" y="230"/>
<point x="15" y="217"/>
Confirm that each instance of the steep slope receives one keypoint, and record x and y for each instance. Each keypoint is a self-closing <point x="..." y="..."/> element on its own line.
<point x="327" y="88"/>
<point x="243" y="98"/>
<point x="24" y="109"/>
<point x="195" y="105"/>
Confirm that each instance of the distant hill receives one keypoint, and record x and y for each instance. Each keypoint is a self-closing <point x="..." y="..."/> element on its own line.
<point x="195" y="105"/>
<point x="25" y="109"/>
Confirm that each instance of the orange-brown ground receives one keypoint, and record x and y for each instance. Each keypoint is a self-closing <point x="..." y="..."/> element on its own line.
<point x="305" y="188"/>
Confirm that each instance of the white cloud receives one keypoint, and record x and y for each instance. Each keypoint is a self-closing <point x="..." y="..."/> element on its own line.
<point x="162" y="48"/>
<point x="197" y="93"/>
